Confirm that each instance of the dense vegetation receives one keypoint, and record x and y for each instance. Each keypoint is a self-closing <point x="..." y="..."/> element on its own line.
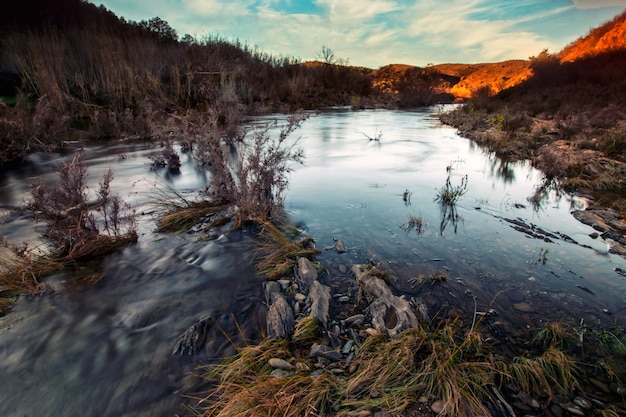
<point x="70" y="69"/>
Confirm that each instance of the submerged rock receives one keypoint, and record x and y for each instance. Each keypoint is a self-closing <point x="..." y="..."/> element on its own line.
<point x="340" y="247"/>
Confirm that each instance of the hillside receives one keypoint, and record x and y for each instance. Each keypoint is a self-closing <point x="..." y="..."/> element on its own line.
<point x="568" y="118"/>
<point x="610" y="36"/>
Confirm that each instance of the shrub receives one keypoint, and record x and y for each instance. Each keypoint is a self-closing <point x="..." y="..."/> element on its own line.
<point x="75" y="227"/>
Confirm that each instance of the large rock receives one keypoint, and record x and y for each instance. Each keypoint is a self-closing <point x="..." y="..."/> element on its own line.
<point x="389" y="314"/>
<point x="319" y="295"/>
<point x="280" y="320"/>
<point x="392" y="315"/>
<point x="305" y="272"/>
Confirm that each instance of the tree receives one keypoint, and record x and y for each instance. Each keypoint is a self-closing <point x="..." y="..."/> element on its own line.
<point x="160" y="28"/>
<point x="327" y="56"/>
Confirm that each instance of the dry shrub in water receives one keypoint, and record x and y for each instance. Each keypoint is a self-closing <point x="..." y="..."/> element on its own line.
<point x="252" y="173"/>
<point x="75" y="227"/>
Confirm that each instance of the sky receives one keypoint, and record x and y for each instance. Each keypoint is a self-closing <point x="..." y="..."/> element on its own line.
<point x="374" y="33"/>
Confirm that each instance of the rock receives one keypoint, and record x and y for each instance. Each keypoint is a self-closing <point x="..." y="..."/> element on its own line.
<point x="344" y="299"/>
<point x="372" y="288"/>
<point x="272" y="289"/>
<point x="572" y="409"/>
<point x="302" y="367"/>
<point x="305" y="272"/>
<point x="278" y="363"/>
<point x="340" y="247"/>
<point x="300" y="297"/>
<point x="392" y="315"/>
<point x="343" y="269"/>
<point x="280" y="320"/>
<point x="192" y="340"/>
<point x="582" y="402"/>
<point x="594" y="235"/>
<point x="280" y="373"/>
<point x="323" y="351"/>
<point x="356" y="320"/>
<point x="284" y="283"/>
<point x="523" y="307"/>
<point x="438" y="407"/>
<point x="319" y="295"/>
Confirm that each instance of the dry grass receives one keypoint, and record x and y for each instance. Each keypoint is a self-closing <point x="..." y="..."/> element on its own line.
<point x="391" y="373"/>
<point x="247" y="388"/>
<point x="277" y="254"/>
<point x="21" y="271"/>
<point x="182" y="218"/>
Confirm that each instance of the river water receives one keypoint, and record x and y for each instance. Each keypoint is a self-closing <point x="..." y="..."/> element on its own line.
<point x="106" y="349"/>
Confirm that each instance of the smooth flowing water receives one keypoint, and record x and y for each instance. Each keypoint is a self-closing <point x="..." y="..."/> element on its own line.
<point x="106" y="349"/>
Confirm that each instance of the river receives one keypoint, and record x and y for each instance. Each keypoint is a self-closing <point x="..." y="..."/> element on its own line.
<point x="106" y="349"/>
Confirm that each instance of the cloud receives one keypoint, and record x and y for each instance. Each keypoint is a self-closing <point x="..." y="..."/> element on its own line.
<point x="595" y="4"/>
<point x="458" y="27"/>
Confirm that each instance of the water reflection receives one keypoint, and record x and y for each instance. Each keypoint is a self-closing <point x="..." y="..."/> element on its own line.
<point x="449" y="217"/>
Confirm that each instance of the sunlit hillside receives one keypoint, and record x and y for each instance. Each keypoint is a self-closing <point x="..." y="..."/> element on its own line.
<point x="609" y="36"/>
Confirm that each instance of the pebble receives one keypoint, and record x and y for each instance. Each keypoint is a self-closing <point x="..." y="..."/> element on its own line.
<point x="356" y="320"/>
<point x="344" y="299"/>
<point x="280" y="373"/>
<point x="572" y="409"/>
<point x="277" y="363"/>
<point x="523" y="307"/>
<point x="284" y="283"/>
<point x="340" y="247"/>
<point x="302" y="367"/>
<point x="582" y="402"/>
<point x="438" y="406"/>
<point x="300" y="297"/>
<point x="325" y="352"/>
<point x="343" y="269"/>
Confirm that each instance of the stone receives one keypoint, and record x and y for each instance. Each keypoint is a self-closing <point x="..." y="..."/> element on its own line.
<point x="272" y="289"/>
<point x="280" y="320"/>
<point x="194" y="338"/>
<point x="356" y="320"/>
<point x="523" y="307"/>
<point x="280" y="373"/>
<point x="300" y="297"/>
<point x="319" y="295"/>
<point x="572" y="409"/>
<point x="438" y="406"/>
<point x="344" y="299"/>
<point x="340" y="247"/>
<point x="323" y="351"/>
<point x="305" y="272"/>
<point x="582" y="402"/>
<point x="392" y="315"/>
<point x="278" y="363"/>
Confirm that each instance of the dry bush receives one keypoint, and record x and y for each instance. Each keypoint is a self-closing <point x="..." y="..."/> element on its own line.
<point x="75" y="227"/>
<point x="251" y="173"/>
